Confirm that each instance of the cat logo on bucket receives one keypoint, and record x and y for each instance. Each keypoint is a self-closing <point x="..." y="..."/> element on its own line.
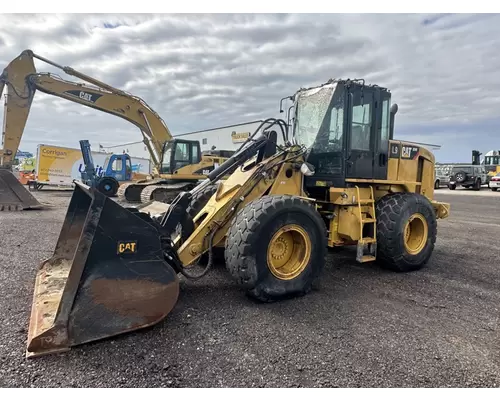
<point x="129" y="247"/>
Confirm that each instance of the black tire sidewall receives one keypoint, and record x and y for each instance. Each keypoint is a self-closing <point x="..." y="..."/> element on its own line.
<point x="408" y="206"/>
<point x="409" y="209"/>
<point x="201" y="200"/>
<point x="114" y="185"/>
<point x="274" y="222"/>
<point x="249" y="237"/>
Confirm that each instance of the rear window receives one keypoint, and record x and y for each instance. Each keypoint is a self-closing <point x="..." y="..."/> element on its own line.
<point x="467" y="170"/>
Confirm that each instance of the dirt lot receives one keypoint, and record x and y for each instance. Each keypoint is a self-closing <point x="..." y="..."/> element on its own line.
<point x="363" y="327"/>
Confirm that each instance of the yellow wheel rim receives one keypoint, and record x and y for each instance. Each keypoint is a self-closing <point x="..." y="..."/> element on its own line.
<point x="415" y="234"/>
<point x="288" y="252"/>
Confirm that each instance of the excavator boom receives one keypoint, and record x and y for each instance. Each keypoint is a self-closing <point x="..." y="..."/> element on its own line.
<point x="21" y="80"/>
<point x="171" y="175"/>
<point x="13" y="195"/>
<point x="21" y="76"/>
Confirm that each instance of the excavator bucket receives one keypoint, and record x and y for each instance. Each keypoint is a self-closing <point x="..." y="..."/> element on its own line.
<point x="107" y="276"/>
<point x="13" y="194"/>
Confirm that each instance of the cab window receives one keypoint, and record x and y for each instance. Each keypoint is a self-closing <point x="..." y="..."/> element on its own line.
<point x="361" y="127"/>
<point x="182" y="152"/>
<point x="117" y="165"/>
<point x="195" y="150"/>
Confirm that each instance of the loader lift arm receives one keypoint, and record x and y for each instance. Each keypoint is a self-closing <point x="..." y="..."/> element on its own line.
<point x="22" y="80"/>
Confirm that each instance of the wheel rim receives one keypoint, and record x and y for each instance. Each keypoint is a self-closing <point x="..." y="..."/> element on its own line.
<point x="288" y="252"/>
<point x="415" y="234"/>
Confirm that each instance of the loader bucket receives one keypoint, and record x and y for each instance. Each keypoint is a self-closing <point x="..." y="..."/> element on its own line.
<point x="107" y="276"/>
<point x="13" y="194"/>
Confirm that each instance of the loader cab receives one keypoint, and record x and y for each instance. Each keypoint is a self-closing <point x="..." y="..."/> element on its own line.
<point x="345" y="126"/>
<point x="118" y="166"/>
<point x="179" y="153"/>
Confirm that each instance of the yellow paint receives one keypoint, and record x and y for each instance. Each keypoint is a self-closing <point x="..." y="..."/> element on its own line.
<point x="127" y="247"/>
<point x="292" y="185"/>
<point x="288" y="252"/>
<point x="416" y="232"/>
<point x="239" y="137"/>
<point x="242" y="186"/>
<point x="56" y="163"/>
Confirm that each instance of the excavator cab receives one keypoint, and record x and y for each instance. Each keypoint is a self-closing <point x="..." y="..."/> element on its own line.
<point x="180" y="153"/>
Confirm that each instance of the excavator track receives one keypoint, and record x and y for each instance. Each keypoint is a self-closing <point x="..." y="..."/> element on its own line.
<point x="164" y="192"/>
<point x="131" y="191"/>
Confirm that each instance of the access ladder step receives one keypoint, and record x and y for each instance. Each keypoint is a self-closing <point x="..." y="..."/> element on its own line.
<point x="368" y="258"/>
<point x="369" y="220"/>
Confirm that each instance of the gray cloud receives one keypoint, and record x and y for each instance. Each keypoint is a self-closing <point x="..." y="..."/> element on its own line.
<point x="205" y="70"/>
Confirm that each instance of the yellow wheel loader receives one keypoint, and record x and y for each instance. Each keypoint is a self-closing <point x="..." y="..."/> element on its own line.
<point x="339" y="179"/>
<point x="178" y="164"/>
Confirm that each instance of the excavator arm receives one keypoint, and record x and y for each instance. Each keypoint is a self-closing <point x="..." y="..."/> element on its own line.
<point x="22" y="80"/>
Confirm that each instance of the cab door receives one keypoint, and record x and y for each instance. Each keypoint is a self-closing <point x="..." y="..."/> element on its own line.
<point x="361" y="130"/>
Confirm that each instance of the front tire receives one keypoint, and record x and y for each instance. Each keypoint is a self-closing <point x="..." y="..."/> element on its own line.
<point x="108" y="186"/>
<point x="276" y="247"/>
<point x="406" y="231"/>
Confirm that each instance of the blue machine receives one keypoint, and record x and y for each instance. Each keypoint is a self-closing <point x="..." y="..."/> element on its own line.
<point x="117" y="168"/>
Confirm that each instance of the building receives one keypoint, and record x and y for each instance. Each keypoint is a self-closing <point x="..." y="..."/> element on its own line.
<point x="228" y="137"/>
<point x="134" y="149"/>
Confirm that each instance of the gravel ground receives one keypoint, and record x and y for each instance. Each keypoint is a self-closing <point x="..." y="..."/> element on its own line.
<point x="363" y="327"/>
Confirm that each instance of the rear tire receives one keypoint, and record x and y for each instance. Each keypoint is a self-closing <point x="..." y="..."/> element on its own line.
<point x="200" y="200"/>
<point x="400" y="249"/>
<point x="276" y="247"/>
<point x="108" y="186"/>
<point x="436" y="184"/>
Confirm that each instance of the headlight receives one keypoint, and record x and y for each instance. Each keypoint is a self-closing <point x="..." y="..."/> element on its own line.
<point x="307" y="169"/>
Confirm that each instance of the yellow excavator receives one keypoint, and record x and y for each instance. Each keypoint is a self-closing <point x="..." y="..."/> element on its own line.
<point x="337" y="178"/>
<point x="177" y="164"/>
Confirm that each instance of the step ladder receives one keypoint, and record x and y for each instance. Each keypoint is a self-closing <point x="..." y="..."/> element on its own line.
<point x="366" y="249"/>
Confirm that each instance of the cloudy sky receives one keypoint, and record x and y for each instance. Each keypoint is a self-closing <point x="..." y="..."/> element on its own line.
<point x="205" y="71"/>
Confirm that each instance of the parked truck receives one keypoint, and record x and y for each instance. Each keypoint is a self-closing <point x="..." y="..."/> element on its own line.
<point x="59" y="166"/>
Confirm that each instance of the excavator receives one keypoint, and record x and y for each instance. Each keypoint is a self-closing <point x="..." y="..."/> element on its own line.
<point x="336" y="178"/>
<point x="177" y="164"/>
